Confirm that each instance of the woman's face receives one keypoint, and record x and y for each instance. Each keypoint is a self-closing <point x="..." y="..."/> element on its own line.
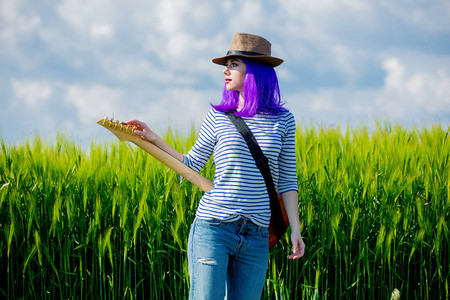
<point x="234" y="72"/>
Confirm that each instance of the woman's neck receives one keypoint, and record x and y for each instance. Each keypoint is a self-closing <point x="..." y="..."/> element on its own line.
<point x="241" y="102"/>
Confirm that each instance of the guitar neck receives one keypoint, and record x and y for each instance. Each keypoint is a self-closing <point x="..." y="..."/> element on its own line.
<point x="197" y="179"/>
<point x="124" y="133"/>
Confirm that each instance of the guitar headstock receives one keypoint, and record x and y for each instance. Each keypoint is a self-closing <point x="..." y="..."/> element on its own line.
<point x="121" y="130"/>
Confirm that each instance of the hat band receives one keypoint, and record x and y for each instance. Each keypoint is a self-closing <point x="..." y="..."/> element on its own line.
<point x="250" y="53"/>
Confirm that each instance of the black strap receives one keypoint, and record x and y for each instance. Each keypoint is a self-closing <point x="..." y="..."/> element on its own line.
<point x="262" y="163"/>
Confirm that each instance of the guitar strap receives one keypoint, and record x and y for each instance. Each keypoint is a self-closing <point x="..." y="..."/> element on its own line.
<point x="262" y="162"/>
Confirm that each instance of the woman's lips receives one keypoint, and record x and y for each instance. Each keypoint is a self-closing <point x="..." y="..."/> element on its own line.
<point x="227" y="80"/>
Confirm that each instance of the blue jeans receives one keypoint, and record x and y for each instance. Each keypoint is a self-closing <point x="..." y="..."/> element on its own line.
<point x="227" y="259"/>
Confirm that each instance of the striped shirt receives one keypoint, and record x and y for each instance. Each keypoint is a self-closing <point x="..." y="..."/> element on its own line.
<point x="239" y="188"/>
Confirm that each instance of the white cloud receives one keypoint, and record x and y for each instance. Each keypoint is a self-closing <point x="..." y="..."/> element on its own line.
<point x="88" y="16"/>
<point x="250" y="15"/>
<point x="344" y="60"/>
<point x="395" y="74"/>
<point x="176" y="32"/>
<point x="91" y="103"/>
<point x="171" y="14"/>
<point x="102" y="30"/>
<point x="409" y="94"/>
<point x="428" y="15"/>
<point x="323" y="102"/>
<point x="319" y="20"/>
<point x="16" y="25"/>
<point x="178" y="107"/>
<point x="127" y="70"/>
<point x="31" y="93"/>
<point x="407" y="90"/>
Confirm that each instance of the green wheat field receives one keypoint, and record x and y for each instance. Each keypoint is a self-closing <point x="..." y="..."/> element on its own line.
<point x="111" y="222"/>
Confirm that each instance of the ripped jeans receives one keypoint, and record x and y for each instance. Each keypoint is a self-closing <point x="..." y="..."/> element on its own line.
<point x="227" y="259"/>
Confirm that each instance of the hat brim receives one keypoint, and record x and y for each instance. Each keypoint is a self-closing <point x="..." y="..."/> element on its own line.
<point x="270" y="60"/>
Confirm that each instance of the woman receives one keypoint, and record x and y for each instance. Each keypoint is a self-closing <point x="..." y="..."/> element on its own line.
<point x="228" y="241"/>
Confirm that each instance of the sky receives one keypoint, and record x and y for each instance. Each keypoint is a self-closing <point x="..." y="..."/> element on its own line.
<point x="65" y="64"/>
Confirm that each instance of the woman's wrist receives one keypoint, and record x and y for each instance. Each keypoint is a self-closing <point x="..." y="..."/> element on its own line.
<point x="152" y="138"/>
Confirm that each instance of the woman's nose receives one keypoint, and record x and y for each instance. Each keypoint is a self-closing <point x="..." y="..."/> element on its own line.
<point x="226" y="71"/>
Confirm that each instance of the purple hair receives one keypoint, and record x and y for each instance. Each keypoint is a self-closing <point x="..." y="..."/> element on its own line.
<point x="261" y="92"/>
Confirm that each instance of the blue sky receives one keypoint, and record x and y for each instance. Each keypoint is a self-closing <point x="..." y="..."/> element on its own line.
<point x="65" y="64"/>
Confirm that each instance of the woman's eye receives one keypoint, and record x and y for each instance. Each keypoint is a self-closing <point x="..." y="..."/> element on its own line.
<point x="232" y="64"/>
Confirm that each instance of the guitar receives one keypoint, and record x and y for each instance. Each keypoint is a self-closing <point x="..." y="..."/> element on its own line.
<point x="126" y="133"/>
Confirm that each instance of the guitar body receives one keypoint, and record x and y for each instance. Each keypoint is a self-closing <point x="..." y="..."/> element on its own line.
<point x="126" y="133"/>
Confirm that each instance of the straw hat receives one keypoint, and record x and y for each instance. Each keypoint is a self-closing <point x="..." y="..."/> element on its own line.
<point x="251" y="46"/>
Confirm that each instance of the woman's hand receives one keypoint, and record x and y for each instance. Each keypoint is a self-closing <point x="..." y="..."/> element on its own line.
<point x="290" y="200"/>
<point x="146" y="133"/>
<point x="298" y="246"/>
<point x="143" y="130"/>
